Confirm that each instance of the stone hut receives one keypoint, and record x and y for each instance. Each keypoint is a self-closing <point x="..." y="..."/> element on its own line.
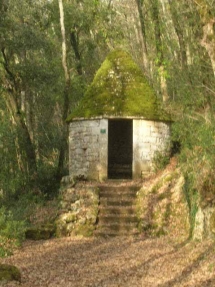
<point x="119" y="124"/>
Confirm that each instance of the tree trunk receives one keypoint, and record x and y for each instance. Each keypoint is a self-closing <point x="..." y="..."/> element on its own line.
<point x="64" y="136"/>
<point x="208" y="41"/>
<point x="208" y="29"/>
<point x="159" y="49"/>
<point x="74" y="40"/>
<point x="13" y="101"/>
<point x="179" y="33"/>
<point x="139" y="4"/>
<point x="23" y="141"/>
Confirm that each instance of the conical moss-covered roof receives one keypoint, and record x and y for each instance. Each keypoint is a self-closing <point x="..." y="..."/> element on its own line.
<point x="119" y="89"/>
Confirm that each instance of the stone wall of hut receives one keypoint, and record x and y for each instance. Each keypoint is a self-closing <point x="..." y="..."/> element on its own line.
<point x="149" y="137"/>
<point x="88" y="142"/>
<point x="88" y="147"/>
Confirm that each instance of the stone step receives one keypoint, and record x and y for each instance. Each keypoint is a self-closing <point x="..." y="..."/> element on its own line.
<point x="117" y="219"/>
<point x="116" y="226"/>
<point x="117" y="210"/>
<point x="111" y="233"/>
<point x="115" y="229"/>
<point x="117" y="194"/>
<point x="119" y="188"/>
<point x="123" y="201"/>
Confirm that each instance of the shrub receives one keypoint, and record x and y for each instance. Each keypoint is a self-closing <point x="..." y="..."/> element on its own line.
<point x="197" y="160"/>
<point x="160" y="160"/>
<point x="12" y="232"/>
<point x="48" y="183"/>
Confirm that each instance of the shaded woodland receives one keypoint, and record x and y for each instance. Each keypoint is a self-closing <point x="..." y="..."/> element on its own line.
<point x="49" y="53"/>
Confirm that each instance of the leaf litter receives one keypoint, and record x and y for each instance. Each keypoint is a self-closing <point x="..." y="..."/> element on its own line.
<point x="115" y="262"/>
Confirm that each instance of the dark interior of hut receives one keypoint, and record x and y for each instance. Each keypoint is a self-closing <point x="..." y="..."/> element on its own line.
<point x="120" y="146"/>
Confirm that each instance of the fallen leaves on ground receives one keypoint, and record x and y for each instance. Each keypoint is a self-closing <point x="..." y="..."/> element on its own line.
<point x="114" y="262"/>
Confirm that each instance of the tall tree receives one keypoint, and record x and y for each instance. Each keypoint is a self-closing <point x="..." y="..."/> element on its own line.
<point x="159" y="48"/>
<point x="177" y="23"/>
<point x="64" y="135"/>
<point x="27" y="75"/>
<point x="207" y="15"/>
<point x="140" y="8"/>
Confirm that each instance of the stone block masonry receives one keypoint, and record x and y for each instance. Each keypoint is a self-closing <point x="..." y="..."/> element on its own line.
<point x="149" y="137"/>
<point x="88" y="147"/>
<point x="88" y="140"/>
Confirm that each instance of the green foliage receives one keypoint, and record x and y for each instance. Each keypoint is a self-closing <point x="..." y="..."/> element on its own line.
<point x="192" y="199"/>
<point x="30" y="72"/>
<point x="22" y="213"/>
<point x="160" y="160"/>
<point x="47" y="181"/>
<point x="197" y="159"/>
<point x="31" y="75"/>
<point x="43" y="232"/>
<point x="91" y="31"/>
<point x="9" y="273"/>
<point x="12" y="232"/>
<point x="12" y="178"/>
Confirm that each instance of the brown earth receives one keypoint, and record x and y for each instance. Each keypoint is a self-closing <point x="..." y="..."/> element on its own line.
<point x="112" y="262"/>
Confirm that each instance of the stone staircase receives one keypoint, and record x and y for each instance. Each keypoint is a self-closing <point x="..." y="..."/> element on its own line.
<point x="117" y="210"/>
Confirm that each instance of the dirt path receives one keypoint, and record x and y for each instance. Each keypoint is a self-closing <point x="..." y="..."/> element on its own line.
<point x="115" y="262"/>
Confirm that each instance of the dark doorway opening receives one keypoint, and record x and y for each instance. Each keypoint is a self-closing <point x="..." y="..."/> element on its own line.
<point x="120" y="149"/>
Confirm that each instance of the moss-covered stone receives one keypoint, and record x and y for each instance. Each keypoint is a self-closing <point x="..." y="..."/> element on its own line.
<point x="85" y="230"/>
<point x="43" y="232"/>
<point x="61" y="228"/>
<point x="212" y="223"/>
<point x="79" y="218"/>
<point x="120" y="89"/>
<point x="9" y="273"/>
<point x="69" y="217"/>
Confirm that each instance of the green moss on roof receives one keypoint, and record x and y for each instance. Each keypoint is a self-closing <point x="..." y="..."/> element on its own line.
<point x="119" y="89"/>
